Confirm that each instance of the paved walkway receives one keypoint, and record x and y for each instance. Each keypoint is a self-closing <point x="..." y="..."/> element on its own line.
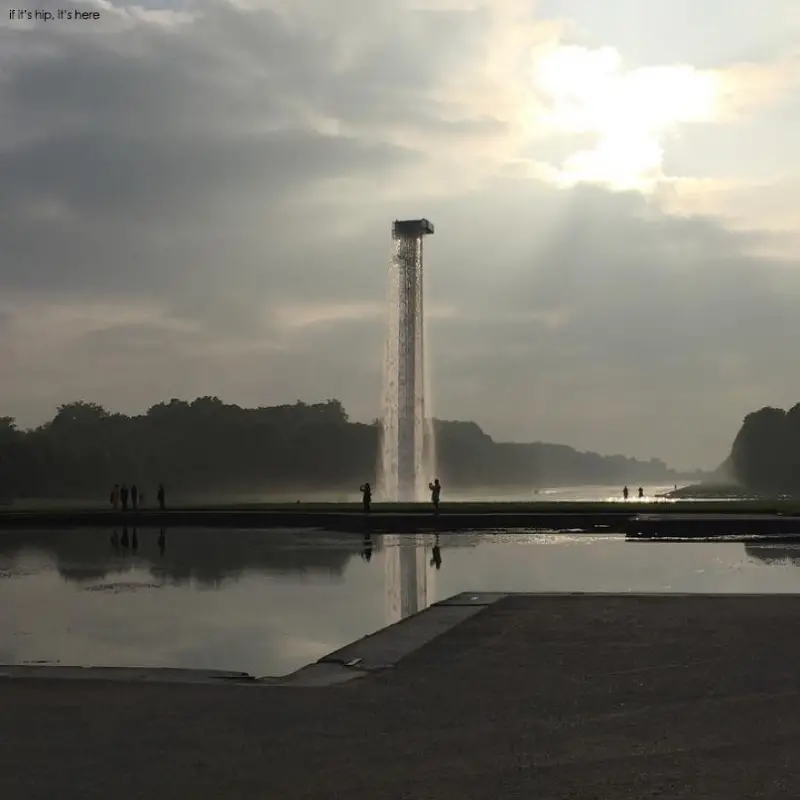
<point x="535" y="696"/>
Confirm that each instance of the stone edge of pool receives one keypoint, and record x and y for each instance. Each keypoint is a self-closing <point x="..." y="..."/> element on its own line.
<point x="377" y="651"/>
<point x="373" y="653"/>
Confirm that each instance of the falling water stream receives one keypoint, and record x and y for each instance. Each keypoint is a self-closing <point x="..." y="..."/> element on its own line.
<point x="407" y="451"/>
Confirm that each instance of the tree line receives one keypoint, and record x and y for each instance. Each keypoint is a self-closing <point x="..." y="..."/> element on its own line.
<point x="765" y="456"/>
<point x="208" y="445"/>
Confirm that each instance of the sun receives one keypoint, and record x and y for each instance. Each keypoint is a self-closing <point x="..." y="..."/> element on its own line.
<point x="629" y="114"/>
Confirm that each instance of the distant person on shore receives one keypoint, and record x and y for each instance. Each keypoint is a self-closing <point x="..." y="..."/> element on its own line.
<point x="123" y="496"/>
<point x="115" y="496"/>
<point x="625" y="493"/>
<point x="366" y="497"/>
<point x="134" y="497"/>
<point x="641" y="493"/>
<point x="436" y="490"/>
<point x="161" y="496"/>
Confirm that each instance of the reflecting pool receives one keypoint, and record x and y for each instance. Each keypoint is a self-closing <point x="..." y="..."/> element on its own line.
<point x="269" y="602"/>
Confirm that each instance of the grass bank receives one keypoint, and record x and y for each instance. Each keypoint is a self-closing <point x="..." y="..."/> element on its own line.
<point x="418" y="517"/>
<point x="617" y="507"/>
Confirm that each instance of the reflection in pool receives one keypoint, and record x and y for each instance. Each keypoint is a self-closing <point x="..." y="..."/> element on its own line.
<point x="268" y="602"/>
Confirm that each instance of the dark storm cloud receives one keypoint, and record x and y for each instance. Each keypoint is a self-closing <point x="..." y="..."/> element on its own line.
<point x="168" y="179"/>
<point x="154" y="153"/>
<point x="224" y="69"/>
<point x="612" y="264"/>
<point x="126" y="200"/>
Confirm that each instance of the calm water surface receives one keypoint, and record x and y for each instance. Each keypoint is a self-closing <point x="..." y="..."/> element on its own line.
<point x="268" y="602"/>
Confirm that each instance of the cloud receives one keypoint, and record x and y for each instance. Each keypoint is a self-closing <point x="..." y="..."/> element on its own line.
<point x="630" y="114"/>
<point x="750" y="86"/>
<point x="767" y="206"/>
<point x="196" y="199"/>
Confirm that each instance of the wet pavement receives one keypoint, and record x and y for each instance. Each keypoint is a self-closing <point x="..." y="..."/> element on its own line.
<point x="547" y="696"/>
<point x="268" y="603"/>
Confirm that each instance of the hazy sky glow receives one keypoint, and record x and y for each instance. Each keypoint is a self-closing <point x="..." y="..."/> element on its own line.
<point x="196" y="198"/>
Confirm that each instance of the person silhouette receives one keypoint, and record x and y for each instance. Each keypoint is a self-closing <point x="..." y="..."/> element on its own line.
<point x="161" y="496"/>
<point x="436" y="490"/>
<point x="366" y="497"/>
<point x="625" y="493"/>
<point x="123" y="496"/>
<point x="641" y="493"/>
<point x="134" y="497"/>
<point x="366" y="548"/>
<point x="436" y="554"/>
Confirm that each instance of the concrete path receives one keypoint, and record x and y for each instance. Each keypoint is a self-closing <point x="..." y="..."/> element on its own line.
<point x="550" y="696"/>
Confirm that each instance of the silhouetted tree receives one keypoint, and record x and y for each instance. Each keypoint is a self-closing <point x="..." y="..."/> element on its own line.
<point x="765" y="455"/>
<point x="207" y="444"/>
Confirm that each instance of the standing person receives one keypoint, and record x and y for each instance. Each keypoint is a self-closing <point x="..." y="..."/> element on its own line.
<point x="436" y="490"/>
<point x="161" y="496"/>
<point x="366" y="497"/>
<point x="115" y="496"/>
<point x="134" y="497"/>
<point x="641" y="493"/>
<point x="123" y="496"/>
<point x="625" y="493"/>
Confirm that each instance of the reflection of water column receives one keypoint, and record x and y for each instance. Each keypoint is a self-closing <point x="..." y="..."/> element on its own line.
<point x="406" y="576"/>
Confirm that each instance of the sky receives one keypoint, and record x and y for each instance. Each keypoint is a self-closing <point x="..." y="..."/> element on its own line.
<point x="196" y="198"/>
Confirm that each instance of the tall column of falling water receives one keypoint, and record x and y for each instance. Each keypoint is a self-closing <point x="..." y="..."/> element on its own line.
<point x="410" y="402"/>
<point x="427" y="433"/>
<point x="407" y="453"/>
<point x="388" y="455"/>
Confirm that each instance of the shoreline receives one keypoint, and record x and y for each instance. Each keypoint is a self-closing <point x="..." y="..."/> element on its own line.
<point x="421" y="521"/>
<point x="637" y="520"/>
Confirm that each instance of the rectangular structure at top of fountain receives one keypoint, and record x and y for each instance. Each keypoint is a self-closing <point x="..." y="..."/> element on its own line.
<point x="411" y="228"/>
<point x="406" y="444"/>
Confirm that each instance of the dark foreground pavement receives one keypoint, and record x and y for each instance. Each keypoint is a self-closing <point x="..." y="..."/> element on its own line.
<point x="535" y="697"/>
